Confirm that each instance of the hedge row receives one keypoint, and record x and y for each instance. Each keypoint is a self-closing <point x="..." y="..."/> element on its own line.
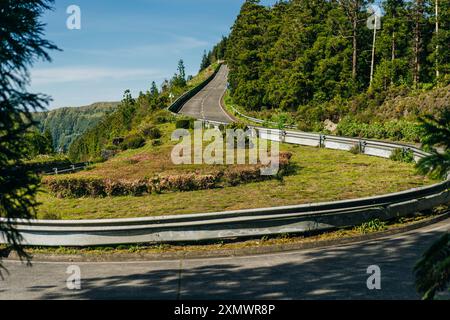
<point x="78" y="187"/>
<point x="392" y="130"/>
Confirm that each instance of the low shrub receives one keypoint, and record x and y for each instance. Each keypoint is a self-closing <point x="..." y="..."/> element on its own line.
<point x="47" y="163"/>
<point x="402" y="155"/>
<point x="152" y="132"/>
<point x="163" y="116"/>
<point x="78" y="187"/>
<point x="356" y="149"/>
<point x="51" y="216"/>
<point x="398" y="130"/>
<point x="156" y="143"/>
<point x="185" y="123"/>
<point x="237" y="126"/>
<point x="132" y="142"/>
<point x="371" y="226"/>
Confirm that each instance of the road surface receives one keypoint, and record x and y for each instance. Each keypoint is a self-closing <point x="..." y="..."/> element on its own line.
<point x="206" y="104"/>
<point x="326" y="273"/>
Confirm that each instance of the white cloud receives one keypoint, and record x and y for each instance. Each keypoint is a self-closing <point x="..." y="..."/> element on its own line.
<point x="179" y="44"/>
<point x="46" y="76"/>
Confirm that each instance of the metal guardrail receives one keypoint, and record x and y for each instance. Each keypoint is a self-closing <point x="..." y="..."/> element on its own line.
<point x="248" y="223"/>
<point x="71" y="169"/>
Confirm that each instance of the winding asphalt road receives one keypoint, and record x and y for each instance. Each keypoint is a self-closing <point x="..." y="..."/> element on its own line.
<point x="206" y="104"/>
<point x="326" y="273"/>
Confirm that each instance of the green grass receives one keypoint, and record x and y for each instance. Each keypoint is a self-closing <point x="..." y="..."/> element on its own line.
<point x="322" y="175"/>
<point x="202" y="76"/>
<point x="148" y="161"/>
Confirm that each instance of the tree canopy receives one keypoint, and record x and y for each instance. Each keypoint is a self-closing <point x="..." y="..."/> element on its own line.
<point x="303" y="52"/>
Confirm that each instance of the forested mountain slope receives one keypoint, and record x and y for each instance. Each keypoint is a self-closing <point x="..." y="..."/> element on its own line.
<point x="303" y="52"/>
<point x="66" y="124"/>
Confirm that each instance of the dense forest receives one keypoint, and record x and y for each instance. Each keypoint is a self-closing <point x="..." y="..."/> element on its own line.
<point x="66" y="124"/>
<point x="325" y="59"/>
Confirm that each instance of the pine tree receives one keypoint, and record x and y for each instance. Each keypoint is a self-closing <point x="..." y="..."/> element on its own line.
<point x="353" y="9"/>
<point x="154" y="92"/>
<point x="205" y="61"/>
<point x="181" y="70"/>
<point x="21" y="44"/>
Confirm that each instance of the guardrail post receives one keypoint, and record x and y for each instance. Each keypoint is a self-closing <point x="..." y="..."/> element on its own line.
<point x="283" y="135"/>
<point x="73" y="168"/>
<point x="322" y="141"/>
<point x="55" y="170"/>
<point x="362" y="146"/>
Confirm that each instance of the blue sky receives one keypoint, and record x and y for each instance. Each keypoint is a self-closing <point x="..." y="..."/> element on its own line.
<point x="127" y="45"/>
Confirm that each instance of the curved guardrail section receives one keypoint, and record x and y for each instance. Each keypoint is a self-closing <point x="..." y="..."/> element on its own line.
<point x="70" y="169"/>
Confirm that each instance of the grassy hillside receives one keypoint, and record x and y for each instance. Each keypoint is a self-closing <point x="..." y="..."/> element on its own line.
<point x="67" y="124"/>
<point x="321" y="175"/>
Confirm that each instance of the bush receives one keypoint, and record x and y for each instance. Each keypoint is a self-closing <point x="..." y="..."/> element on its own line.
<point x="356" y="149"/>
<point x="237" y="126"/>
<point x="402" y="155"/>
<point x="397" y="130"/>
<point x="163" y="116"/>
<point x="152" y="132"/>
<point x="372" y="226"/>
<point x="132" y="142"/>
<point x="185" y="124"/>
<point x="78" y="187"/>
<point x="44" y="163"/>
<point x="157" y="143"/>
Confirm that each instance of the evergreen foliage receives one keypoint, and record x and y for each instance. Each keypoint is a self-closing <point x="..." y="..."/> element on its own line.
<point x="21" y="44"/>
<point x="303" y="53"/>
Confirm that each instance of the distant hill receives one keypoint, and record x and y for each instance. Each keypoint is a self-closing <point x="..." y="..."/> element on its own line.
<point x="66" y="124"/>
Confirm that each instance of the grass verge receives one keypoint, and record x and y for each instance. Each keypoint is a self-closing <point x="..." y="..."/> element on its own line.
<point x="224" y="247"/>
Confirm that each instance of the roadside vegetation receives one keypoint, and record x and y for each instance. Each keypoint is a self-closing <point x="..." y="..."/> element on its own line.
<point x="320" y="175"/>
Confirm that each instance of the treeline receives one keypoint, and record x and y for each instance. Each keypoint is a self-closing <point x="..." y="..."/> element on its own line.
<point x="128" y="115"/>
<point x="67" y="124"/>
<point x="305" y="53"/>
<point x="214" y="55"/>
<point x="124" y="123"/>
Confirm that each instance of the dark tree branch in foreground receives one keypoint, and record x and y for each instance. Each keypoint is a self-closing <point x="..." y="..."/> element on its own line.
<point x="21" y="44"/>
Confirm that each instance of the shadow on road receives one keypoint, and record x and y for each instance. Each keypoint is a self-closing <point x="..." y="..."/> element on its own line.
<point x="338" y="273"/>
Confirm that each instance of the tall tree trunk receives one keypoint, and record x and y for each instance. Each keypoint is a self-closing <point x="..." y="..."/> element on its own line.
<point x="417" y="42"/>
<point x="437" y="39"/>
<point x="355" y="46"/>
<point x="394" y="48"/>
<point x="372" y="65"/>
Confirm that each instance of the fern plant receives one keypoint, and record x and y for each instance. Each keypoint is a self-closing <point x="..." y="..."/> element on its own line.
<point x="436" y="134"/>
<point x="433" y="270"/>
